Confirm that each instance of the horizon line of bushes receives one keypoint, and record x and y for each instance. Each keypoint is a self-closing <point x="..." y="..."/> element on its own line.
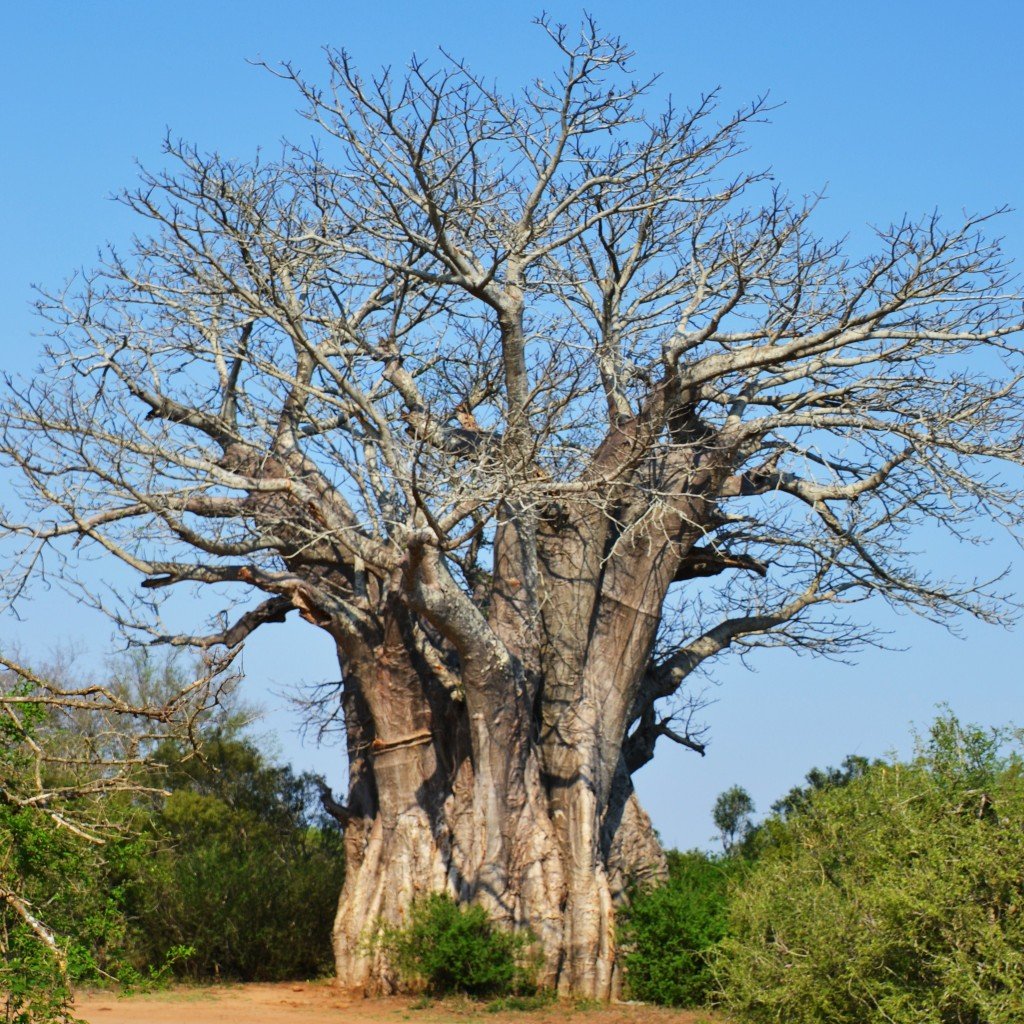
<point x="878" y="892"/>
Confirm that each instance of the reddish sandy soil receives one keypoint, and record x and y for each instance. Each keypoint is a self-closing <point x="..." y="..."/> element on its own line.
<point x="317" y="1003"/>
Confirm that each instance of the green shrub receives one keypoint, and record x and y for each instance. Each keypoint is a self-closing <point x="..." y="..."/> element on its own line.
<point x="667" y="931"/>
<point x="62" y="919"/>
<point x="898" y="896"/>
<point x="241" y="866"/>
<point x="459" y="949"/>
<point x="102" y="879"/>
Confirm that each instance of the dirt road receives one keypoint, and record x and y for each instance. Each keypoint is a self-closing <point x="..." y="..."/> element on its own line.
<point x="317" y="1003"/>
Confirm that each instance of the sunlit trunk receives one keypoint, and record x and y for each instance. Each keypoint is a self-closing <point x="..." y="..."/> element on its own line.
<point x="503" y="801"/>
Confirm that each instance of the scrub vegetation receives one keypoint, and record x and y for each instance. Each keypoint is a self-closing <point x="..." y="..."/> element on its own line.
<point x="878" y="892"/>
<point x="163" y="845"/>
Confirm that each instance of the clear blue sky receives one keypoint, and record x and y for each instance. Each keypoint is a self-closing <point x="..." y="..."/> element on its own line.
<point x="896" y="107"/>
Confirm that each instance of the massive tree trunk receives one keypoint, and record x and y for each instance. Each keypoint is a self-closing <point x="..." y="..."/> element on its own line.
<point x="436" y="804"/>
<point x="500" y="776"/>
<point x="534" y="846"/>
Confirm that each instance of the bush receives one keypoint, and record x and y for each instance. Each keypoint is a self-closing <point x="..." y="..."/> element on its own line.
<point x="667" y="931"/>
<point x="459" y="949"/>
<point x="236" y="873"/>
<point x="898" y="896"/>
<point x="242" y="866"/>
<point x="62" y="918"/>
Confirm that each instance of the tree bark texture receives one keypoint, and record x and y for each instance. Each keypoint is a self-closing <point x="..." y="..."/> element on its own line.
<point x="502" y="791"/>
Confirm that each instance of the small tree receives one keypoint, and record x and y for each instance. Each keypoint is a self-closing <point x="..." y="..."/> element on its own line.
<point x="732" y="816"/>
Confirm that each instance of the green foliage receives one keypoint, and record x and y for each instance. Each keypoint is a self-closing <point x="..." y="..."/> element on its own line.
<point x="852" y="767"/>
<point x="35" y="991"/>
<point x="242" y="866"/>
<point x="731" y="815"/>
<point x="667" y="931"/>
<point x="898" y="896"/>
<point x="61" y="904"/>
<point x="62" y="922"/>
<point x="103" y="879"/>
<point x="459" y="949"/>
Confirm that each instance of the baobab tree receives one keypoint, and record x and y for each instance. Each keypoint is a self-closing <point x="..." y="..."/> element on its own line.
<point x="535" y="405"/>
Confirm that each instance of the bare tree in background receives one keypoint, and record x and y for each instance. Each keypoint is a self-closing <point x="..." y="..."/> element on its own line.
<point x="535" y="406"/>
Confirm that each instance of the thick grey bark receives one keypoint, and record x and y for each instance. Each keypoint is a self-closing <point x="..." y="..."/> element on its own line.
<point x="537" y="856"/>
<point x="442" y="818"/>
<point x="508" y="788"/>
